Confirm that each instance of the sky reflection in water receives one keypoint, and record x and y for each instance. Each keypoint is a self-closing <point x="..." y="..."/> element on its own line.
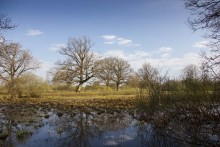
<point x="86" y="129"/>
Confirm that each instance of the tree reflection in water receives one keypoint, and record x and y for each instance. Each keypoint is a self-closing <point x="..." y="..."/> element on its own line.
<point x="80" y="128"/>
<point x="148" y="136"/>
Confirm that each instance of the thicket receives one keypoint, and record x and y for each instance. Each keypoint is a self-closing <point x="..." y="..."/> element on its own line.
<point x="30" y="85"/>
<point x="187" y="109"/>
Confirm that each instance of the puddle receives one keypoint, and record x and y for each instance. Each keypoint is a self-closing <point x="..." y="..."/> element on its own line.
<point x="53" y="128"/>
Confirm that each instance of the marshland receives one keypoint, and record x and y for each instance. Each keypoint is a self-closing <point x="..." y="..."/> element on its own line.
<point x="118" y="87"/>
<point x="105" y="118"/>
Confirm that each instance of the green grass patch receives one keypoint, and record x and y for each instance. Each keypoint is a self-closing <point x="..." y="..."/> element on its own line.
<point x="23" y="134"/>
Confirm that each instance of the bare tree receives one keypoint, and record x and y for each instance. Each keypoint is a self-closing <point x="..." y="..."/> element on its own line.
<point x="207" y="16"/>
<point x="104" y="71"/>
<point x="14" y="62"/>
<point x="121" y="70"/>
<point x="80" y="63"/>
<point x="134" y="81"/>
<point x="148" y="75"/>
<point x="190" y="72"/>
<point x="190" y="77"/>
<point x="151" y="85"/>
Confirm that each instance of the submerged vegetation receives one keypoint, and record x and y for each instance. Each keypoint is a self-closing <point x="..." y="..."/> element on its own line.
<point x="21" y="134"/>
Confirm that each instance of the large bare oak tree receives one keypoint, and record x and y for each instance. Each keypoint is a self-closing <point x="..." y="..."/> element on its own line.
<point x="13" y="63"/>
<point x="79" y="66"/>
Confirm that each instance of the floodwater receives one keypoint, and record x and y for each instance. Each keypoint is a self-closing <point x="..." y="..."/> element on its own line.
<point x="28" y="127"/>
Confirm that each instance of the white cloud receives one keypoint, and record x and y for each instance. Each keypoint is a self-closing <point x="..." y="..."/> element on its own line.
<point x="165" y="61"/>
<point x="137" y="56"/>
<point x="113" y="39"/>
<point x="34" y="32"/>
<point x="135" y="44"/>
<point x="109" y="37"/>
<point x="201" y="44"/>
<point x="166" y="55"/>
<point x="56" y="47"/>
<point x="181" y="62"/>
<point x="114" y="53"/>
<point x="176" y="64"/>
<point x="140" y="53"/>
<point x="109" y="42"/>
<point x="124" y="41"/>
<point x="165" y="49"/>
<point x="134" y="56"/>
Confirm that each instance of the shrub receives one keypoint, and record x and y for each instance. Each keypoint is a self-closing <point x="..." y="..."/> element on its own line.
<point x="30" y="85"/>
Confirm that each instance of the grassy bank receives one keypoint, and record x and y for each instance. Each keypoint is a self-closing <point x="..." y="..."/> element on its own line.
<point x="68" y="101"/>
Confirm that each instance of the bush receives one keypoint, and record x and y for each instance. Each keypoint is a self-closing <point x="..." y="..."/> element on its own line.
<point x="30" y="85"/>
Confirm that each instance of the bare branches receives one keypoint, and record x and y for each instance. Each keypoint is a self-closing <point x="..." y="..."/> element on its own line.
<point x="207" y="16"/>
<point x="113" y="69"/>
<point x="14" y="62"/>
<point x="104" y="71"/>
<point x="80" y="63"/>
<point x="121" y="70"/>
<point x="5" y="22"/>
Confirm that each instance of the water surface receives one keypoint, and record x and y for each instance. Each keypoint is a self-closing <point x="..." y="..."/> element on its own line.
<point x="79" y="127"/>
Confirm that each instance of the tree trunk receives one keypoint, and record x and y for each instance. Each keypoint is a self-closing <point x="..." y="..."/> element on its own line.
<point x="12" y="88"/>
<point x="78" y="88"/>
<point x="117" y="86"/>
<point x="107" y="85"/>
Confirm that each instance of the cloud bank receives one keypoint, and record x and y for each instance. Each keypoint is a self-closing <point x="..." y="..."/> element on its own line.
<point x="161" y="59"/>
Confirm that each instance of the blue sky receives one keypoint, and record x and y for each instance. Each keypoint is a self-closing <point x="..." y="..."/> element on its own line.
<point x="140" y="31"/>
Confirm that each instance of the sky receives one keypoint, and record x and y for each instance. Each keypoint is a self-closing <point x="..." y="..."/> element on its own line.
<point x="139" y="31"/>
